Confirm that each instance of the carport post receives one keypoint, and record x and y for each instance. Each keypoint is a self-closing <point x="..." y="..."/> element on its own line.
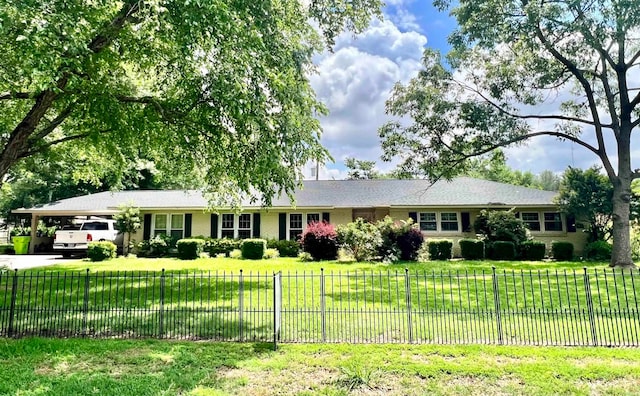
<point x="34" y="229"/>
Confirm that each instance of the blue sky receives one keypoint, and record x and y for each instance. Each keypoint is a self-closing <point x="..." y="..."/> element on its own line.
<point x="355" y="80"/>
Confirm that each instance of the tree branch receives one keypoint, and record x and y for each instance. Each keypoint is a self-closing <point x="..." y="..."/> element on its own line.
<point x="53" y="124"/>
<point x="45" y="146"/>
<point x="15" y="95"/>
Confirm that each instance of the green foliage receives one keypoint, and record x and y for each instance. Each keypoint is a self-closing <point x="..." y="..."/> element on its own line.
<point x="285" y="247"/>
<point x="361" y="238"/>
<point x="320" y="240"/>
<point x="305" y="257"/>
<point x="400" y="240"/>
<point x="204" y="83"/>
<point x="503" y="250"/>
<point x="221" y="246"/>
<point x="501" y="225"/>
<point x="235" y="254"/>
<point x="189" y="249"/>
<point x="635" y="240"/>
<point x="471" y="249"/>
<point x="361" y="169"/>
<point x="157" y="246"/>
<point x="440" y="249"/>
<point x="271" y="253"/>
<point x="253" y="249"/>
<point x="100" y="251"/>
<point x="598" y="251"/>
<point x="588" y="195"/>
<point x="562" y="251"/>
<point x="533" y="250"/>
<point x="127" y="222"/>
<point x="20" y="231"/>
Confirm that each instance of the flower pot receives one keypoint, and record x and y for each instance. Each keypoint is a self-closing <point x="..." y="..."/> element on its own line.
<point x="21" y="244"/>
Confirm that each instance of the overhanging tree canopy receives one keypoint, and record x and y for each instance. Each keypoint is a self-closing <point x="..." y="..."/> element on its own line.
<point x="571" y="66"/>
<point x="215" y="85"/>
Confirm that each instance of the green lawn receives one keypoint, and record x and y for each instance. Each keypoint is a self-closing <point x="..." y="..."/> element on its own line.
<point x="110" y="367"/>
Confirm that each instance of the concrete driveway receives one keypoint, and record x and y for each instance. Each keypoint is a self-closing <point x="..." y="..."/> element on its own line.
<point x="34" y="260"/>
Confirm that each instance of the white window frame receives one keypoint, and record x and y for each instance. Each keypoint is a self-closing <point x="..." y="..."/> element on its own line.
<point x="236" y="224"/>
<point x="531" y="221"/>
<point x="169" y="217"/>
<point x="544" y="221"/>
<point x="304" y="221"/>
<point x="457" y="221"/>
<point x="438" y="221"/>
<point x="435" y="219"/>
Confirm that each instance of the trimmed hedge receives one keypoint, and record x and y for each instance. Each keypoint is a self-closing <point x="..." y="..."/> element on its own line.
<point x="472" y="249"/>
<point x="533" y="250"/>
<point x="253" y="249"/>
<point x="439" y="250"/>
<point x="562" y="251"/>
<point x="102" y="250"/>
<point x="221" y="246"/>
<point x="285" y="247"/>
<point x="503" y="250"/>
<point x="189" y="249"/>
<point x="598" y="250"/>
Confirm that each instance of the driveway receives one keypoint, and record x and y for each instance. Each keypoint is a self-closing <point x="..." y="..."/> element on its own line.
<point x="30" y="261"/>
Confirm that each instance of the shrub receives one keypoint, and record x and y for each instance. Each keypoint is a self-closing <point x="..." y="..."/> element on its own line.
<point x="360" y="238"/>
<point x="221" y="246"/>
<point x="472" y="249"/>
<point x="235" y="254"/>
<point x="503" y="250"/>
<point x="189" y="249"/>
<point x="400" y="240"/>
<point x="501" y="225"/>
<point x="409" y="243"/>
<point x="159" y="245"/>
<point x="285" y="247"/>
<point x="304" y="257"/>
<point x="598" y="251"/>
<point x="533" y="250"/>
<point x="253" y="249"/>
<point x="99" y="251"/>
<point x="562" y="251"/>
<point x="271" y="253"/>
<point x="440" y="250"/>
<point x="320" y="240"/>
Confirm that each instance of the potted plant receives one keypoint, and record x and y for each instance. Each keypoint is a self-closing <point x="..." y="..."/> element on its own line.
<point x="21" y="236"/>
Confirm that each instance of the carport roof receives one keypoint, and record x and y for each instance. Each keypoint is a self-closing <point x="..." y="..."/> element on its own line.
<point x="460" y="192"/>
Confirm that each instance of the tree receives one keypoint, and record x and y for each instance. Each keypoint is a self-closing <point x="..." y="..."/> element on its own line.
<point x="127" y="222"/>
<point x="518" y="70"/>
<point x="361" y="169"/>
<point x="587" y="195"/>
<point x="214" y="85"/>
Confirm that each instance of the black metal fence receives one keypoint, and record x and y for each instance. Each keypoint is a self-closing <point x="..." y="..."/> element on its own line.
<point x="576" y="307"/>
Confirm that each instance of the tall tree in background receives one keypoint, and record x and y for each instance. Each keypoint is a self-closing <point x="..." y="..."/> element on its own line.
<point x="361" y="169"/>
<point x="510" y="57"/>
<point x="216" y="85"/>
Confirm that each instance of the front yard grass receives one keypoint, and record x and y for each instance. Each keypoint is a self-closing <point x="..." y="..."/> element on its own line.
<point x="114" y="367"/>
<point x="294" y="264"/>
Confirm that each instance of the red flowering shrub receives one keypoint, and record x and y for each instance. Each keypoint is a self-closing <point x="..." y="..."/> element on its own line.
<point x="320" y="240"/>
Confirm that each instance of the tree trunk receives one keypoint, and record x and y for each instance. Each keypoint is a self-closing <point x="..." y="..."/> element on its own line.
<point x="621" y="253"/>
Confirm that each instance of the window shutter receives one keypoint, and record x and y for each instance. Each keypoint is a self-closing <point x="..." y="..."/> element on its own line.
<point x="282" y="220"/>
<point x="571" y="223"/>
<point x="466" y="221"/>
<point x="414" y="216"/>
<point x="214" y="225"/>
<point x="146" y="230"/>
<point x="517" y="214"/>
<point x="326" y="217"/>
<point x="256" y="225"/>
<point x="188" y="219"/>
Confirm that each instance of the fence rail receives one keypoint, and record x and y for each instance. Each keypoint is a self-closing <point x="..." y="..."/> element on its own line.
<point x="577" y="307"/>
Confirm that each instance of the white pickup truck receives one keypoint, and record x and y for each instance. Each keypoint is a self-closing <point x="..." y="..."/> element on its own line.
<point x="72" y="242"/>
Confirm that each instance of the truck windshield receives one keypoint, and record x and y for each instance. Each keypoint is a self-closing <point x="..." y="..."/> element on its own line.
<point x="95" y="226"/>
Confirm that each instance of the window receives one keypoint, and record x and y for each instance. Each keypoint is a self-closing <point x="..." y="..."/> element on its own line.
<point x="313" y="217"/>
<point x="169" y="224"/>
<point x="227" y="227"/>
<point x="94" y="226"/>
<point x="449" y="221"/>
<point x="428" y="222"/>
<point x="531" y="221"/>
<point x="552" y="222"/>
<point x="244" y="226"/>
<point x="295" y="225"/>
<point x="160" y="224"/>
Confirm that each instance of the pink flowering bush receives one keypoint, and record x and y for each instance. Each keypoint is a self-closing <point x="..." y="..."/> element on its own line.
<point x="320" y="240"/>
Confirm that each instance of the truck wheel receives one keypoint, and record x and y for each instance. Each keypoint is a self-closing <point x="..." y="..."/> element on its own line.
<point x="66" y="255"/>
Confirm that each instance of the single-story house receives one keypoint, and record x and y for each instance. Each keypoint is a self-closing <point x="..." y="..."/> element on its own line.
<point x="445" y="209"/>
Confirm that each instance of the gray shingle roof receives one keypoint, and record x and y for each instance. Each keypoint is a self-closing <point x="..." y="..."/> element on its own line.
<point x="462" y="191"/>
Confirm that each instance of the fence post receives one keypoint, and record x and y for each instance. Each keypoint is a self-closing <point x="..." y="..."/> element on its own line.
<point x="407" y="298"/>
<point x="275" y="313"/>
<point x="161" y="311"/>
<point x="85" y="304"/>
<point x="323" y="307"/>
<point x="496" y="302"/>
<point x="240" y="303"/>
<point x="592" y="318"/>
<point x="12" y="309"/>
